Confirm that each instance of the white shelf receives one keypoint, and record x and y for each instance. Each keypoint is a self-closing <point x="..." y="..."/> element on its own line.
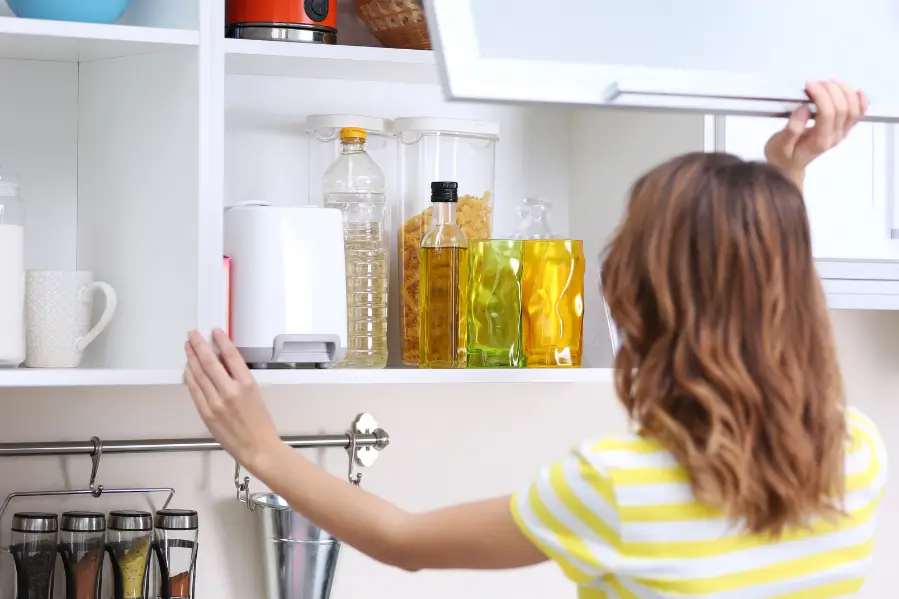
<point x="360" y="63"/>
<point x="83" y="377"/>
<point x="87" y="377"/>
<point x="34" y="39"/>
<point x="414" y="376"/>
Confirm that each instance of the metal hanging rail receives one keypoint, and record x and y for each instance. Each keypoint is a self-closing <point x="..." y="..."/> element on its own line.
<point x="363" y="442"/>
<point x="378" y="440"/>
<point x="375" y="438"/>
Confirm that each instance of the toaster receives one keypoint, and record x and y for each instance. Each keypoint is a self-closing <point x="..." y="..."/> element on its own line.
<point x="288" y="284"/>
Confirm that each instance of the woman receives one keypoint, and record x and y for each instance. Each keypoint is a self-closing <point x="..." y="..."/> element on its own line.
<point x="747" y="479"/>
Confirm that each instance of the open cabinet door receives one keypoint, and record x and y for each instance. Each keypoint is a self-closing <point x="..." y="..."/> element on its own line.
<point x="710" y="56"/>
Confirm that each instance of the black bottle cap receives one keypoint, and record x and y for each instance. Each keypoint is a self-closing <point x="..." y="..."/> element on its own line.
<point x="444" y="191"/>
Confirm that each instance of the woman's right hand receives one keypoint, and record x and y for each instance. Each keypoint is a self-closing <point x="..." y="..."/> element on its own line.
<point x="839" y="108"/>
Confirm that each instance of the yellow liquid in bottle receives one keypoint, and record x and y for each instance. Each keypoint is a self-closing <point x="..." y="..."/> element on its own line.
<point x="443" y="326"/>
<point x="552" y="290"/>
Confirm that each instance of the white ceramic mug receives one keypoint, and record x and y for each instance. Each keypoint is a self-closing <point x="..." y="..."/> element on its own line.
<point x="58" y="308"/>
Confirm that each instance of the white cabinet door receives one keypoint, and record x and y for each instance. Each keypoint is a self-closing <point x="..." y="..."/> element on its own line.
<point x="712" y="56"/>
<point x="847" y="190"/>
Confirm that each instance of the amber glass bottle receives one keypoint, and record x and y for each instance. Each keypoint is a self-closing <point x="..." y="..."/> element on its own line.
<point x="444" y="284"/>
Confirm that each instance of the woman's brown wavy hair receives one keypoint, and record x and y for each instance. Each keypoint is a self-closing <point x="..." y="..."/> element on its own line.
<point x="726" y="353"/>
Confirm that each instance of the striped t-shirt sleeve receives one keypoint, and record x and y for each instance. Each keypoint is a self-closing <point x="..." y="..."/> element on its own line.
<point x="864" y="433"/>
<point x="570" y="514"/>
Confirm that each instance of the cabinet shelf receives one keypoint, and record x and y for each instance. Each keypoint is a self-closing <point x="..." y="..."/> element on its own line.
<point x="359" y="63"/>
<point x="113" y="377"/>
<point x="33" y="39"/>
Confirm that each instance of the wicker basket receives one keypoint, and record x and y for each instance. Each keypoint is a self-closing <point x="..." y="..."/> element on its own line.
<point x="396" y="23"/>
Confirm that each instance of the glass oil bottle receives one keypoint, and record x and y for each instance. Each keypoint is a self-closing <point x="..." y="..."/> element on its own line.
<point x="443" y="325"/>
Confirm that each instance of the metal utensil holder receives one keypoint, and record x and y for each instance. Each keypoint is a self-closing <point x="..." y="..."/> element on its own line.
<point x="93" y="489"/>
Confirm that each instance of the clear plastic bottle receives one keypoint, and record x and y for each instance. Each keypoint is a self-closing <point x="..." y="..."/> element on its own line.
<point x="443" y="323"/>
<point x="355" y="184"/>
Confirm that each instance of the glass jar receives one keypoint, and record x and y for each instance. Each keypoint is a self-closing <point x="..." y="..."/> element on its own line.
<point x="33" y="548"/>
<point x="129" y="536"/>
<point x="323" y="146"/>
<point x="532" y="214"/>
<point x="494" y="304"/>
<point x="552" y="290"/>
<point x="175" y="535"/>
<point x="552" y="300"/>
<point x="12" y="272"/>
<point x="436" y="149"/>
<point x="81" y="545"/>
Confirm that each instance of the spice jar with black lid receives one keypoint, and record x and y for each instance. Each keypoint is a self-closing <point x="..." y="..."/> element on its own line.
<point x="33" y="548"/>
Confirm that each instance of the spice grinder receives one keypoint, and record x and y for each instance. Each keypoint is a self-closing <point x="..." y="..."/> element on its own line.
<point x="312" y="21"/>
<point x="81" y="546"/>
<point x="175" y="538"/>
<point x="34" y="549"/>
<point x="129" y="540"/>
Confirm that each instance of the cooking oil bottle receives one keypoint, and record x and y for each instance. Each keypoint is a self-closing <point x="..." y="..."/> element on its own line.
<point x="444" y="283"/>
<point x="355" y="184"/>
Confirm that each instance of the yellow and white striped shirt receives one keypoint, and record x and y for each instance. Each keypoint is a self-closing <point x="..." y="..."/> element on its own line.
<point x="619" y="517"/>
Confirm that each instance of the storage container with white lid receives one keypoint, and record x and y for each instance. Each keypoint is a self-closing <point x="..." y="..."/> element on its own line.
<point x="323" y="135"/>
<point x="439" y="149"/>
<point x="12" y="272"/>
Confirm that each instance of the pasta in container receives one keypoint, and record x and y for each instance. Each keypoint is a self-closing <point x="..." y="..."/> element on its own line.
<point x="437" y="149"/>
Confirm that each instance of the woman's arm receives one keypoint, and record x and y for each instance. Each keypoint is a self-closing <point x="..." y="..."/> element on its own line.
<point x="479" y="535"/>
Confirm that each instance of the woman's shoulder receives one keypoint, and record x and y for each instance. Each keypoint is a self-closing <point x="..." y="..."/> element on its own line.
<point x="614" y="454"/>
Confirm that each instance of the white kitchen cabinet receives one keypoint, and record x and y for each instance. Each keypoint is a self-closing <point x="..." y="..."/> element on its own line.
<point x="131" y="140"/>
<point x="102" y="125"/>
<point x="850" y="198"/>
<point x="701" y="55"/>
<point x="846" y="189"/>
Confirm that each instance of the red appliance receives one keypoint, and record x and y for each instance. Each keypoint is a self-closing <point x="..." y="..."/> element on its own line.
<point x="312" y="21"/>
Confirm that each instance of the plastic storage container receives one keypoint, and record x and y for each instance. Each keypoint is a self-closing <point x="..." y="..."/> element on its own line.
<point x="435" y="149"/>
<point x="323" y="146"/>
<point x="12" y="272"/>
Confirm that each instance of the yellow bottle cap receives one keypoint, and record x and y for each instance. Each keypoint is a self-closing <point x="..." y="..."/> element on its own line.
<point x="352" y="132"/>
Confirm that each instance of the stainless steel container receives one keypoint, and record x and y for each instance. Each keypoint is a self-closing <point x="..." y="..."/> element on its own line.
<point x="300" y="558"/>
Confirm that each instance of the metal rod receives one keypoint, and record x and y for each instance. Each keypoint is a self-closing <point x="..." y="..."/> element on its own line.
<point x="378" y="439"/>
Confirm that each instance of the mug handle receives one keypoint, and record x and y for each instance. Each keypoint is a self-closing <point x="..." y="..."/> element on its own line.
<point x="111" y="303"/>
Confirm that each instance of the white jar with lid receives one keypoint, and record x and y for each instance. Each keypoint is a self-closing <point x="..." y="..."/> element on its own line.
<point x="439" y="149"/>
<point x="323" y="135"/>
<point x="12" y="273"/>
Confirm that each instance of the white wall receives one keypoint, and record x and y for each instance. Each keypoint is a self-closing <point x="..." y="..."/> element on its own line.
<point x="448" y="444"/>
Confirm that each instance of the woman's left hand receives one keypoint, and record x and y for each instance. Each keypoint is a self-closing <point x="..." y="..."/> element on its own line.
<point x="228" y="399"/>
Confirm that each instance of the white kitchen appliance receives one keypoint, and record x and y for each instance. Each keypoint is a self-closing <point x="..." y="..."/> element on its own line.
<point x="288" y="284"/>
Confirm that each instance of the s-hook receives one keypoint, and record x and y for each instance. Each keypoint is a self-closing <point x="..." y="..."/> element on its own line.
<point x="96" y="455"/>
